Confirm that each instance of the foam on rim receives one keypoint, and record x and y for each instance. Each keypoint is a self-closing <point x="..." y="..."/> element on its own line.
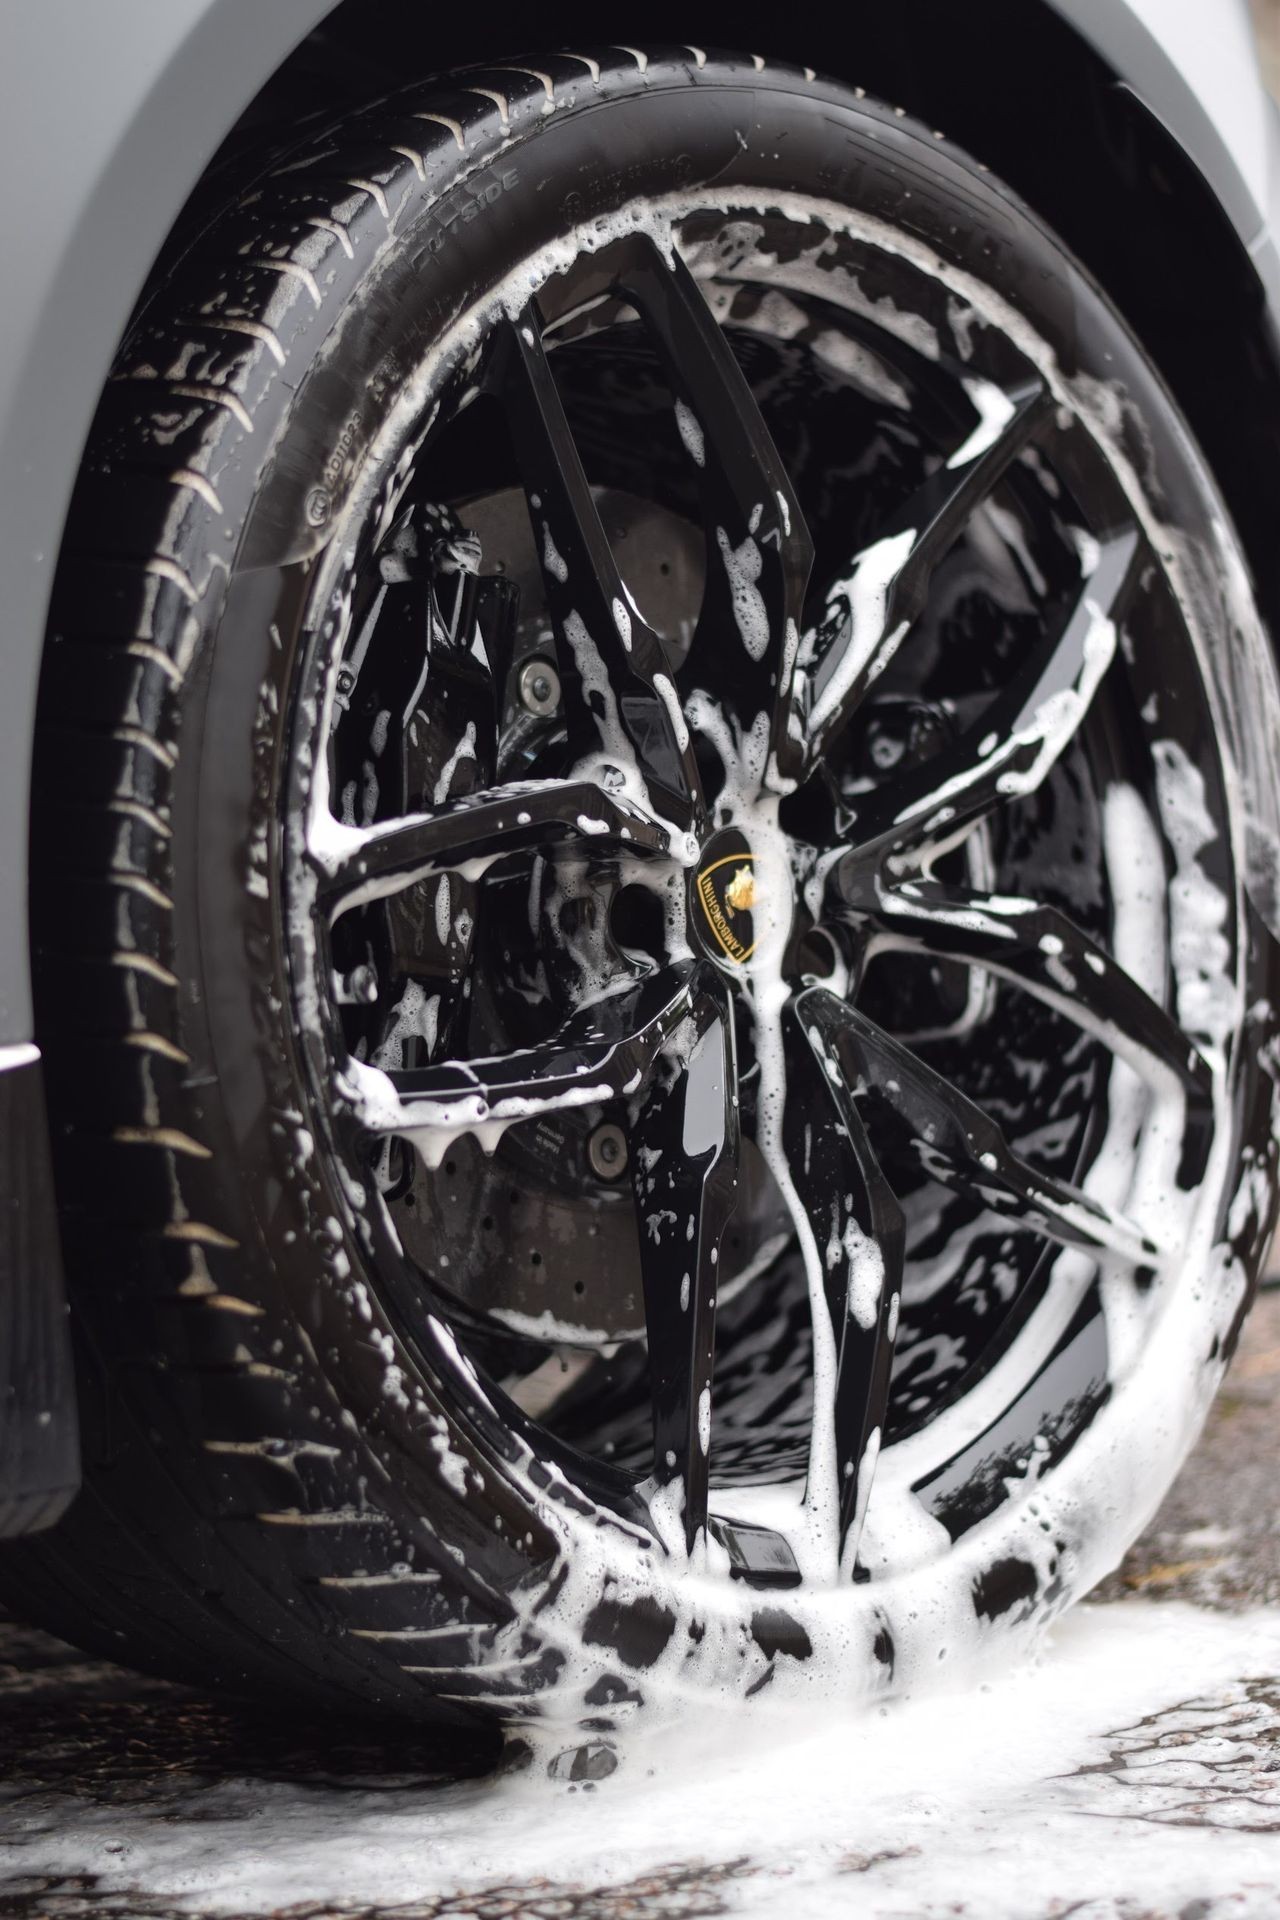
<point x="1068" y="1525"/>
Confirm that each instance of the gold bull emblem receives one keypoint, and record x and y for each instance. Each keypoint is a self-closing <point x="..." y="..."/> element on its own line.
<point x="740" y="894"/>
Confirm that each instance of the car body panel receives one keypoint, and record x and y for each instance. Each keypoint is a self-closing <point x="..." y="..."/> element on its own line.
<point x="89" y="197"/>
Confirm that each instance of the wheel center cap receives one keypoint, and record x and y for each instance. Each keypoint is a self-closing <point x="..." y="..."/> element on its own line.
<point x="741" y="900"/>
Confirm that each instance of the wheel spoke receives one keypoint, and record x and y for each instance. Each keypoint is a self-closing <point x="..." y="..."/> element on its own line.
<point x="759" y="551"/>
<point x="601" y="1053"/>
<point x="1009" y="751"/>
<point x="684" y="1170"/>
<point x="1047" y="954"/>
<point x="460" y="689"/>
<point x="869" y="613"/>
<point x="412" y="653"/>
<point x="369" y="863"/>
<point x="962" y="1147"/>
<point x="858" y="1227"/>
<point x="626" y="702"/>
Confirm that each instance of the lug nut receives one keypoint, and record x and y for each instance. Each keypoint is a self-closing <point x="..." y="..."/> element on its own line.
<point x="607" y="1152"/>
<point x="539" y="688"/>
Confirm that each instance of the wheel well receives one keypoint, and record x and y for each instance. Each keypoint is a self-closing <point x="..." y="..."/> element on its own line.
<point x="1084" y="152"/>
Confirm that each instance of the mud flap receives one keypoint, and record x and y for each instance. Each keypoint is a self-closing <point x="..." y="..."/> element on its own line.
<point x="39" y="1436"/>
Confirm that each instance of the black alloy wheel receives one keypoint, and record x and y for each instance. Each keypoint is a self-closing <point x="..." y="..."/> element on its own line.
<point x="687" y="1093"/>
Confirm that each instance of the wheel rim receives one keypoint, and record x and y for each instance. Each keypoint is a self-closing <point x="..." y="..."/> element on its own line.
<point x="672" y="782"/>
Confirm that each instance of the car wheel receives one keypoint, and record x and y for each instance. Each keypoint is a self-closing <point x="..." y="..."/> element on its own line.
<point x="655" y="855"/>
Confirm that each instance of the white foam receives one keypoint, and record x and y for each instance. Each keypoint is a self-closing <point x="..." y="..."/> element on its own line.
<point x="1128" y="1772"/>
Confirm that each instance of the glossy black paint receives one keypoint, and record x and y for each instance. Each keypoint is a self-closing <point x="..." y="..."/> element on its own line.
<point x="685" y="1149"/>
<point x="836" y="1172"/>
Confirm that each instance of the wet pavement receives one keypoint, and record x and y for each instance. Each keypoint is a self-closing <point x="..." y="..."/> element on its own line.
<point x="1216" y="1540"/>
<point x="1133" y="1773"/>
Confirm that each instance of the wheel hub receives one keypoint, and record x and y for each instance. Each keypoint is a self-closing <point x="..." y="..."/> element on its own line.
<point x="742" y="901"/>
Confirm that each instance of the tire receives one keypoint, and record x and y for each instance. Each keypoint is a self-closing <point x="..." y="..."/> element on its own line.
<point x="314" y="1462"/>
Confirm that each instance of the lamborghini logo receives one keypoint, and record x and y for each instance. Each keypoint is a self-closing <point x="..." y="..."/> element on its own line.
<point x="740" y="894"/>
<point x="728" y="894"/>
